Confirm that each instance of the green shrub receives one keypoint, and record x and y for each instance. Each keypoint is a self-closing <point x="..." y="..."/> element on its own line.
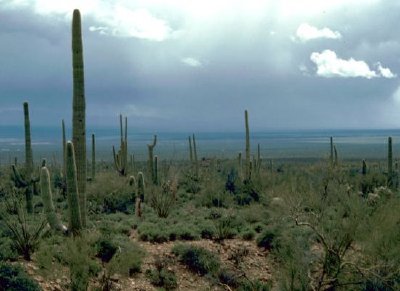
<point x="128" y="259"/>
<point x="267" y="239"/>
<point x="161" y="276"/>
<point x="14" y="278"/>
<point x="197" y="259"/>
<point x="105" y="249"/>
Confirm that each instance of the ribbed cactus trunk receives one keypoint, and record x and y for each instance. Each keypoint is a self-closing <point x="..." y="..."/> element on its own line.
<point x="64" y="144"/>
<point x="155" y="181"/>
<point x="364" y="168"/>
<point x="196" y="161"/>
<point x="335" y="161"/>
<point x="150" y="162"/>
<point x="28" y="160"/>
<point x="390" y="163"/>
<point x="121" y="158"/>
<point x="247" y="161"/>
<point x="79" y="111"/>
<point x="47" y="198"/>
<point x="75" y="217"/>
<point x="190" y="150"/>
<point x="93" y="157"/>
<point x="331" y="155"/>
<point x="140" y="186"/>
<point x="364" y="189"/>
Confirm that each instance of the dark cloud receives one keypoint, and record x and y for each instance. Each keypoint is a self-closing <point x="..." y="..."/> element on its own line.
<point x="244" y="65"/>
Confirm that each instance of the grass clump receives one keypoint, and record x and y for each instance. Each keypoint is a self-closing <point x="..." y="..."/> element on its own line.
<point x="162" y="276"/>
<point x="197" y="259"/>
<point x="13" y="277"/>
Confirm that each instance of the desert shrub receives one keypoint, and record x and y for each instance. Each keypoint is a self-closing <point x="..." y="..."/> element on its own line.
<point x="105" y="249"/>
<point x="225" y="227"/>
<point x="268" y="239"/>
<point x="197" y="259"/>
<point x="248" y="234"/>
<point x="25" y="230"/>
<point x="13" y="277"/>
<point x="110" y="194"/>
<point x="128" y="259"/>
<point x="162" y="199"/>
<point x="7" y="249"/>
<point x="161" y="276"/>
<point x="154" y="233"/>
<point x="247" y="193"/>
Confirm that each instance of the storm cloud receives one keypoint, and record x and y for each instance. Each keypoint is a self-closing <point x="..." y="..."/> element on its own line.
<point x="197" y="65"/>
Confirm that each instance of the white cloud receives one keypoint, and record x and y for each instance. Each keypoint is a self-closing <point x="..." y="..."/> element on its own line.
<point x="385" y="72"/>
<point x="306" y="32"/>
<point x="329" y="65"/>
<point x="192" y="62"/>
<point x="119" y="19"/>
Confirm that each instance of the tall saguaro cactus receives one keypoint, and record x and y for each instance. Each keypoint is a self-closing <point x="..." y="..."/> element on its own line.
<point x="79" y="112"/>
<point x="75" y="216"/>
<point x="190" y="149"/>
<point x="93" y="157"/>
<point x="390" y="163"/>
<point x="196" y="161"/>
<point x="121" y="158"/>
<point x="27" y="180"/>
<point x="332" y="150"/>
<point x="247" y="161"/>
<point x="150" y="162"/>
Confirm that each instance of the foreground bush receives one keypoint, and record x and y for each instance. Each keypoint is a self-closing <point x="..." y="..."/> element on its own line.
<point x="14" y="278"/>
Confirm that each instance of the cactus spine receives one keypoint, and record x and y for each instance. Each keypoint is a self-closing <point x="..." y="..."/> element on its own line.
<point x="247" y="161"/>
<point x="390" y="163"/>
<point x="48" y="205"/>
<point x="93" y="157"/>
<point x="121" y="158"/>
<point x="75" y="222"/>
<point x="151" y="158"/>
<point x="140" y="186"/>
<point x="78" y="109"/>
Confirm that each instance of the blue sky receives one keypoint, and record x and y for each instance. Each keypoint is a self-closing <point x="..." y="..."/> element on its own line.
<point x="196" y="65"/>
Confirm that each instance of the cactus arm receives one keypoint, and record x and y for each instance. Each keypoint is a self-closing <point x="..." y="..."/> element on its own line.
<point x="48" y="205"/>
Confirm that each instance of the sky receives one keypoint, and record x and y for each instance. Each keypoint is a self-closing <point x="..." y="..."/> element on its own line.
<point x="187" y="65"/>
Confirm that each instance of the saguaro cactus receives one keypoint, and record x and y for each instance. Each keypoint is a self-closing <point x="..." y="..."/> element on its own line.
<point x="27" y="180"/>
<point x="64" y="145"/>
<point x="79" y="112"/>
<point x="335" y="161"/>
<point x="155" y="181"/>
<point x="75" y="217"/>
<point x="331" y="155"/>
<point x="247" y="161"/>
<point x="196" y="161"/>
<point x="190" y="149"/>
<point x="93" y="157"/>
<point x="390" y="163"/>
<point x="47" y="197"/>
<point x="121" y="158"/>
<point x="150" y="162"/>
<point x="140" y="186"/>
